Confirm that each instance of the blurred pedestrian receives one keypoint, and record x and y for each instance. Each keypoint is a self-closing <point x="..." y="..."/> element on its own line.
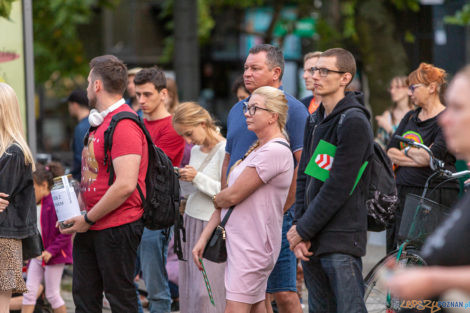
<point x="132" y="100"/>
<point x="443" y="250"/>
<point x="330" y="233"/>
<point x="171" y="103"/>
<point x="150" y="85"/>
<point x="421" y="125"/>
<point x="18" y="219"/>
<point x="264" y="66"/>
<point x="311" y="102"/>
<point x="172" y="100"/>
<point x="258" y="186"/>
<point x="57" y="247"/>
<point x="197" y="127"/>
<point x="239" y="89"/>
<point x="389" y="120"/>
<point x="108" y="234"/>
<point x="79" y="109"/>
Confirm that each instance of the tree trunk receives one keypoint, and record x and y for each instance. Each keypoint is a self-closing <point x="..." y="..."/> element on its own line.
<point x="186" y="52"/>
<point x="383" y="56"/>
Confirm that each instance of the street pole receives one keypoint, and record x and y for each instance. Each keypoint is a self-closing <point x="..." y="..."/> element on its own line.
<point x="186" y="53"/>
<point x="29" y="74"/>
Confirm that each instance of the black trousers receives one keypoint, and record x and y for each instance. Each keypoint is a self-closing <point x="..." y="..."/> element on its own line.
<point x="104" y="260"/>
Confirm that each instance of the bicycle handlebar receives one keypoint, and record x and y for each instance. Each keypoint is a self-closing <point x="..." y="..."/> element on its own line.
<point x="434" y="164"/>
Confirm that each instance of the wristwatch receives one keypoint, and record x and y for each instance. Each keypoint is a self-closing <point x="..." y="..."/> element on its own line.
<point x="405" y="151"/>
<point x="88" y="220"/>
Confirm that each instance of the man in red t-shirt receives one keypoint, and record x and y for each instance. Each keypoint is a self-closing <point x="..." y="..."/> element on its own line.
<point x="108" y="234"/>
<point x="151" y="92"/>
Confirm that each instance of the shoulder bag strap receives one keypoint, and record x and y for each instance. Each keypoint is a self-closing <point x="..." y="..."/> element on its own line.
<point x="283" y="143"/>
<point x="209" y="157"/>
<point x="227" y="215"/>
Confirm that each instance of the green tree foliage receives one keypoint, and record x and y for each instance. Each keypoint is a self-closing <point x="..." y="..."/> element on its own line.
<point x="58" y="51"/>
<point x="367" y="27"/>
<point x="461" y="17"/>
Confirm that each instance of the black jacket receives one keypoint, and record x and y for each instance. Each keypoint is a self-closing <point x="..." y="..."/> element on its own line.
<point x="19" y="219"/>
<point x="306" y="101"/>
<point x="326" y="213"/>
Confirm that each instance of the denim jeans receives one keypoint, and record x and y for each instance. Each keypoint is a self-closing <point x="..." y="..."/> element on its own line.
<point x="153" y="252"/>
<point x="284" y="275"/>
<point x="137" y="272"/>
<point x="334" y="282"/>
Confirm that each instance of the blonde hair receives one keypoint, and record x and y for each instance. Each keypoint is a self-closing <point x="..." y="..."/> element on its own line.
<point x="401" y="82"/>
<point x="192" y="114"/>
<point x="11" y="126"/>
<point x="276" y="102"/>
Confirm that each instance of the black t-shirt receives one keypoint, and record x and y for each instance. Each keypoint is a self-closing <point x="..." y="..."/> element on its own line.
<point x="448" y="244"/>
<point x="427" y="132"/>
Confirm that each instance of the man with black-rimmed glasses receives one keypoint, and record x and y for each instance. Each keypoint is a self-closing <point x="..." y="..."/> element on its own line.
<point x="330" y="231"/>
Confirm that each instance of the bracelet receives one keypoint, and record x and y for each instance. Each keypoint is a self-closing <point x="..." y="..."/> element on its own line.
<point x="213" y="198"/>
<point x="405" y="151"/>
<point x="88" y="220"/>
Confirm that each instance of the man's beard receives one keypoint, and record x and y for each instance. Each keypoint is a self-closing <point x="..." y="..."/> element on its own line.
<point x="92" y="103"/>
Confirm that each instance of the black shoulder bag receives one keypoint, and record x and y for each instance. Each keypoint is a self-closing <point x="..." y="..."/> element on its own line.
<point x="215" y="250"/>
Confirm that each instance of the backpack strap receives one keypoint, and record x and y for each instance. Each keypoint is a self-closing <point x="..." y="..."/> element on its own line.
<point x="364" y="165"/>
<point x="108" y="142"/>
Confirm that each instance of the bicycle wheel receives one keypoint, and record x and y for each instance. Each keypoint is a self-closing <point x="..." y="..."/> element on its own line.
<point x="375" y="295"/>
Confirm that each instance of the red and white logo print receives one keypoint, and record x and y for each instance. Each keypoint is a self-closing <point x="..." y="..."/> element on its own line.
<point x="324" y="161"/>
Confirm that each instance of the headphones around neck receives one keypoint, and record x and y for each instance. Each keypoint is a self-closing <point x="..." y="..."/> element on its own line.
<point x="96" y="118"/>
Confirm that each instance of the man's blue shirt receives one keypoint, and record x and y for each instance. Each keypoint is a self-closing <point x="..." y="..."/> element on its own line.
<point x="239" y="138"/>
<point x="77" y="145"/>
<point x="139" y="111"/>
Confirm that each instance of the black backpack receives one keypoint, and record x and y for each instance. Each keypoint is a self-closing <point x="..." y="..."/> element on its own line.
<point x="161" y="206"/>
<point x="382" y="198"/>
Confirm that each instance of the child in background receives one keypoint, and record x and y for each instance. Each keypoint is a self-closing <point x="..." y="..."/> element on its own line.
<point x="57" y="247"/>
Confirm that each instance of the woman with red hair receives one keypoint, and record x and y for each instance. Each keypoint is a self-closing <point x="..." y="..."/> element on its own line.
<point x="425" y="86"/>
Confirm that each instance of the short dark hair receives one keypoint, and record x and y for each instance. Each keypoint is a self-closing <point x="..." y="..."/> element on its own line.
<point x="112" y="71"/>
<point x="152" y="75"/>
<point x="274" y="56"/>
<point x="239" y="83"/>
<point x="344" y="60"/>
<point x="79" y="96"/>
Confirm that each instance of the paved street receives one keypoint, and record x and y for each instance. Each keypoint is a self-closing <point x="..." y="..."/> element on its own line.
<point x="375" y="251"/>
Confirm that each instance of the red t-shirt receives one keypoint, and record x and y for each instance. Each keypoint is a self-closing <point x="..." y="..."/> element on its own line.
<point x="128" y="139"/>
<point x="166" y="138"/>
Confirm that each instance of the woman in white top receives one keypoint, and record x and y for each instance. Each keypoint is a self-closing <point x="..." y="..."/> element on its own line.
<point x="196" y="126"/>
